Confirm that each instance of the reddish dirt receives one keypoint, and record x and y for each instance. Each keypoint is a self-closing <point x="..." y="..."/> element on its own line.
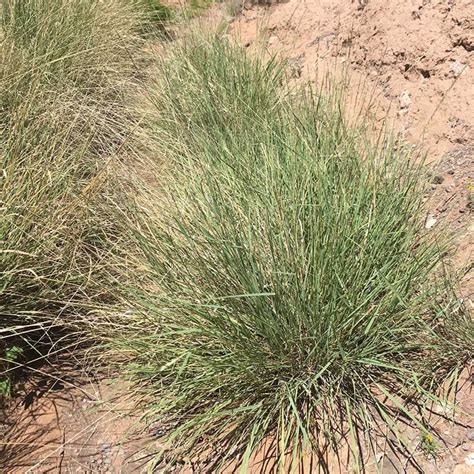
<point x="418" y="55"/>
<point x="81" y="427"/>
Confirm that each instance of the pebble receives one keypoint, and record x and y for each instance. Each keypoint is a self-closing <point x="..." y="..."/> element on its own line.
<point x="405" y="99"/>
<point x="430" y="221"/>
<point x="469" y="459"/>
<point x="273" y="40"/>
<point x="106" y="447"/>
<point x="458" y="68"/>
<point x="470" y="435"/>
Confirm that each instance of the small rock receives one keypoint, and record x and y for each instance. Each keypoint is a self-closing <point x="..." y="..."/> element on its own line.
<point x="466" y="446"/>
<point x="438" y="179"/>
<point x="470" y="202"/>
<point x="469" y="459"/>
<point x="405" y="99"/>
<point x="430" y="222"/>
<point x="470" y="435"/>
<point x="106" y="447"/>
<point x="458" y="68"/>
<point x="273" y="40"/>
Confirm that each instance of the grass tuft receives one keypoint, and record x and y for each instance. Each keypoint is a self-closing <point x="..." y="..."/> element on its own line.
<point x="65" y="67"/>
<point x="290" y="294"/>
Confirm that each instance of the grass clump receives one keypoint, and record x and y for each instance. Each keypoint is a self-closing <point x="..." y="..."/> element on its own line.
<point x="283" y="288"/>
<point x="65" y="67"/>
<point x="290" y="294"/>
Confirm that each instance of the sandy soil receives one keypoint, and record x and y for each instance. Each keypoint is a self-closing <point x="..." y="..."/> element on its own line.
<point x="417" y="53"/>
<point x="74" y="426"/>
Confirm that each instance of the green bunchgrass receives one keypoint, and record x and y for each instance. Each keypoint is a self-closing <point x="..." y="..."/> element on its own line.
<point x="289" y="293"/>
<point x="278" y="284"/>
<point x="65" y="68"/>
<point x="155" y="17"/>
